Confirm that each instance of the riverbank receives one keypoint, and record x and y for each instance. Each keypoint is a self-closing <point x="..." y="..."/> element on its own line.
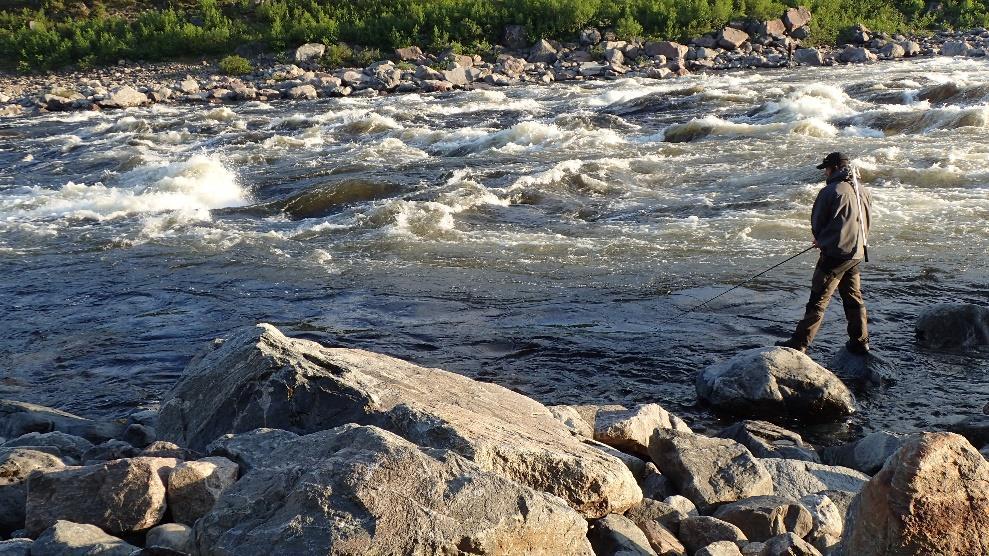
<point x="264" y="432"/>
<point x="769" y="44"/>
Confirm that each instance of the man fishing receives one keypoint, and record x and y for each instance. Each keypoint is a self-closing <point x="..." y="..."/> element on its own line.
<point x="840" y="223"/>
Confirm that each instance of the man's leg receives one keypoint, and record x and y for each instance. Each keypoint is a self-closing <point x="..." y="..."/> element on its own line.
<point x="850" y="290"/>
<point x="821" y="289"/>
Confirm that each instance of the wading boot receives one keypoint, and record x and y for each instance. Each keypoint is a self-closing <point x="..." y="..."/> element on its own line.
<point x="857" y="348"/>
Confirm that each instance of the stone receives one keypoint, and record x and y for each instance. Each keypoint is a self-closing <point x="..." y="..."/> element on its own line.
<point x="764" y="517"/>
<point x="188" y="87"/>
<point x="775" y="382"/>
<point x="309" y="52"/>
<point x="892" y="51"/>
<point x="669" y="49"/>
<point x="708" y="471"/>
<point x="511" y="66"/>
<point x="139" y="436"/>
<point x="910" y="48"/>
<point x="195" y="486"/>
<point x="634" y="464"/>
<point x="259" y="377"/>
<point x="867" y="454"/>
<point x="794" y="479"/>
<point x="251" y="449"/>
<point x="363" y="489"/>
<point x="828" y="521"/>
<point x="931" y="497"/>
<point x="869" y="369"/>
<point x="409" y="54"/>
<point x="731" y="39"/>
<point x="456" y="77"/>
<point x="572" y="419"/>
<point x="124" y="97"/>
<point x="630" y="430"/>
<point x="766" y="440"/>
<point x="590" y="37"/>
<point x="20" y="418"/>
<point x="426" y="72"/>
<point x="654" y="484"/>
<point x="436" y="86"/>
<point x="773" y="28"/>
<point x="956" y="48"/>
<point x="974" y="427"/>
<point x="860" y="34"/>
<point x="16" y="547"/>
<point x="65" y="538"/>
<point x="69" y="445"/>
<point x="119" y="496"/>
<point x="307" y="92"/>
<point x="808" y="56"/>
<point x="542" y="51"/>
<point x="16" y="465"/>
<point x="386" y="77"/>
<point x="702" y="53"/>
<point x="696" y="532"/>
<point x="795" y="18"/>
<point x="720" y="548"/>
<point x="164" y="449"/>
<point x="659" y="512"/>
<point x="681" y="503"/>
<point x="953" y="326"/>
<point x="110" y="450"/>
<point x="856" y="55"/>
<point x="662" y="540"/>
<point x="788" y="544"/>
<point x="614" y="56"/>
<point x="614" y="535"/>
<point x="658" y="73"/>
<point x="514" y="37"/>
<point x="173" y="536"/>
<point x="592" y="69"/>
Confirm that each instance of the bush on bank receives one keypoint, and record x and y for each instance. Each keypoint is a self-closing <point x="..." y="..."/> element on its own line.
<point x="47" y="34"/>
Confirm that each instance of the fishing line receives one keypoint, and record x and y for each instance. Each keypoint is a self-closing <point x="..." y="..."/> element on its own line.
<point x="733" y="288"/>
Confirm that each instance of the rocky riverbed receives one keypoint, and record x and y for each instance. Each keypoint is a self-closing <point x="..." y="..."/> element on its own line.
<point x="274" y="445"/>
<point x="751" y="44"/>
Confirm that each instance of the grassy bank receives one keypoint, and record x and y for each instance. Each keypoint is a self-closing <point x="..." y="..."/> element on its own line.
<point x="47" y="34"/>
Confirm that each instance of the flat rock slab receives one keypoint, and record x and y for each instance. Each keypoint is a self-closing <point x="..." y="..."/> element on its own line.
<point x="119" y="496"/>
<point x="931" y="497"/>
<point x="261" y="378"/>
<point x="775" y="382"/>
<point x="709" y="471"/>
<point x="794" y="479"/>
<point x="360" y="489"/>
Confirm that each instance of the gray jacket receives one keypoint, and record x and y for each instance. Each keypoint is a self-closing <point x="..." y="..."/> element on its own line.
<point x="835" y="218"/>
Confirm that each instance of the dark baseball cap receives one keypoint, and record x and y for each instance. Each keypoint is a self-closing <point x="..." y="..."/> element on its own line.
<point x="833" y="159"/>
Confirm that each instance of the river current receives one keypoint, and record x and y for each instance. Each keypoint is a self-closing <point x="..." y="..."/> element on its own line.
<point x="537" y="237"/>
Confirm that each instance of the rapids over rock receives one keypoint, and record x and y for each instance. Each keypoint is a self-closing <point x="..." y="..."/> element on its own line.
<point x="534" y="237"/>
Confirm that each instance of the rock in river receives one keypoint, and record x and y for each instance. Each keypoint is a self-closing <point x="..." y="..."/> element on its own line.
<point x="931" y="497"/>
<point x="953" y="326"/>
<point x="775" y="381"/>
<point x="261" y="378"/>
<point x="359" y="489"/>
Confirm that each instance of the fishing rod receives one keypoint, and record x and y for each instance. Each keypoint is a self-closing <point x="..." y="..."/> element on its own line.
<point x="733" y="288"/>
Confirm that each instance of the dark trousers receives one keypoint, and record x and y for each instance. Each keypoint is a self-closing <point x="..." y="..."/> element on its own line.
<point x="831" y="274"/>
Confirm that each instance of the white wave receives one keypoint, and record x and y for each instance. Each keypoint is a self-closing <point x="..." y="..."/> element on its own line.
<point x="221" y="114"/>
<point x="817" y="101"/>
<point x="191" y="187"/>
<point x="713" y="126"/>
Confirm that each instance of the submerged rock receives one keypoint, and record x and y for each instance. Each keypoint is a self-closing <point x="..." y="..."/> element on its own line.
<point x="364" y="489"/>
<point x="65" y="538"/>
<point x="931" y="497"/>
<point x="870" y="368"/>
<point x="775" y="381"/>
<point x="261" y="378"/>
<point x="709" y="471"/>
<point x="953" y="326"/>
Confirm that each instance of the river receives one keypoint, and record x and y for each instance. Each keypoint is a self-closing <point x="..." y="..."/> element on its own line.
<point x="537" y="237"/>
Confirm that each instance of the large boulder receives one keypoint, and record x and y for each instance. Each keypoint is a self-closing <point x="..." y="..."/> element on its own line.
<point x="731" y="39"/>
<point x="956" y="48"/>
<point x="793" y="479"/>
<point x="775" y="382"/>
<point x="20" y="418"/>
<point x="868" y="454"/>
<point x="261" y="378"/>
<point x="931" y="497"/>
<point x="655" y="511"/>
<point x="709" y="471"/>
<point x="173" y="536"/>
<point x="615" y="535"/>
<point x="808" y="56"/>
<point x="120" y="496"/>
<point x="868" y="369"/>
<point x="856" y="55"/>
<point x="632" y="429"/>
<point x="764" y="517"/>
<point x="125" y="97"/>
<point x="542" y="51"/>
<point x="668" y="49"/>
<point x="772" y="28"/>
<point x="16" y="465"/>
<point x="363" y="489"/>
<point x="795" y="18"/>
<point x="309" y="52"/>
<point x="65" y="538"/>
<point x="195" y="486"/>
<point x="766" y="440"/>
<point x="953" y="326"/>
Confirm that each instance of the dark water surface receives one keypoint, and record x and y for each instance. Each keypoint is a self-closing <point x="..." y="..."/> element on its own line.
<point x="539" y="238"/>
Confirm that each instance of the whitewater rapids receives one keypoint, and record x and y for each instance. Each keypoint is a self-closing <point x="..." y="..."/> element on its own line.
<point x="535" y="237"/>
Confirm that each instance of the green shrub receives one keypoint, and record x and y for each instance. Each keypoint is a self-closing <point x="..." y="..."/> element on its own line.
<point x="235" y="65"/>
<point x="337" y="56"/>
